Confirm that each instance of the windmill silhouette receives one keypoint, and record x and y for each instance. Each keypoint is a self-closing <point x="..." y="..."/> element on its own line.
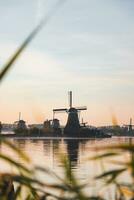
<point x="129" y="126"/>
<point x="73" y="125"/>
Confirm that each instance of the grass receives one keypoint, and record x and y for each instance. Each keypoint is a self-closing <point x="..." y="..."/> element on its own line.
<point x="29" y="186"/>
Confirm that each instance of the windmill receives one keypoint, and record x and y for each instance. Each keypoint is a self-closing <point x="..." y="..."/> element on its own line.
<point x="72" y="126"/>
<point x="20" y="124"/>
<point x="129" y="126"/>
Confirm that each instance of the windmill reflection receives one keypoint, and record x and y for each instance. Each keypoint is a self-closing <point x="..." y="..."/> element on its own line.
<point x="73" y="151"/>
<point x="53" y="148"/>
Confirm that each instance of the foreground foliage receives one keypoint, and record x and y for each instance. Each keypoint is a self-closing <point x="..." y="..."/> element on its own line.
<point x="23" y="182"/>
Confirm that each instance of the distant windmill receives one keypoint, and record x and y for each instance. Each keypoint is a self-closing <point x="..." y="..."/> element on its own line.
<point x="130" y="125"/>
<point x="72" y="126"/>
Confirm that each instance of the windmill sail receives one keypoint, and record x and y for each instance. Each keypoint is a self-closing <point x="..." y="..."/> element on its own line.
<point x="60" y="110"/>
<point x="70" y="99"/>
<point x="81" y="108"/>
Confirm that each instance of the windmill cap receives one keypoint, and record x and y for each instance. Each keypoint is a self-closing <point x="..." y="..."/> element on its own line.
<point x="72" y="110"/>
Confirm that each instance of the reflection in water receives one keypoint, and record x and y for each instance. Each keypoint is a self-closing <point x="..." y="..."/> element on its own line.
<point x="45" y="153"/>
<point x="0" y="145"/>
<point x="46" y="147"/>
<point x="52" y="149"/>
<point x="72" y="152"/>
<point x="49" y="149"/>
<point x="20" y="143"/>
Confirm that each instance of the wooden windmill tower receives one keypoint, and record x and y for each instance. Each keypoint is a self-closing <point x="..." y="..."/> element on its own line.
<point x="73" y="125"/>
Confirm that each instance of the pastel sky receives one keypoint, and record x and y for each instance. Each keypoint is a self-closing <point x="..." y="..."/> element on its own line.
<point x="87" y="47"/>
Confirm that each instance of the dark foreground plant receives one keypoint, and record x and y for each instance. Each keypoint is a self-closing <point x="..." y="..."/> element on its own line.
<point x="122" y="173"/>
<point x="24" y="183"/>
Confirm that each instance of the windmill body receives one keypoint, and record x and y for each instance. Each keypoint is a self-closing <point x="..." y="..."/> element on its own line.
<point x="72" y="127"/>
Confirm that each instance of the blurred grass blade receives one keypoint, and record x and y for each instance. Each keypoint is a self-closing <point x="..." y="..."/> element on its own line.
<point x="113" y="174"/>
<point x="17" y="193"/>
<point x="14" y="163"/>
<point x="105" y="155"/>
<point x="49" y="172"/>
<point x="30" y="37"/>
<point x="28" y="181"/>
<point x="116" y="147"/>
<point x="16" y="150"/>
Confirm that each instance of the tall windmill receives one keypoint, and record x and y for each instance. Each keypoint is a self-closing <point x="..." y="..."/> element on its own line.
<point x="73" y="125"/>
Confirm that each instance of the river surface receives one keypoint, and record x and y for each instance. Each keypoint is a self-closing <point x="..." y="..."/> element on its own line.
<point x="46" y="152"/>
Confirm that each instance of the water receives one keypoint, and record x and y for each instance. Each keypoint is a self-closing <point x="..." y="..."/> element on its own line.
<point x="46" y="153"/>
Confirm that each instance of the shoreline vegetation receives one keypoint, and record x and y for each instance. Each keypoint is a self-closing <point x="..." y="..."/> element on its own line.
<point x="39" y="134"/>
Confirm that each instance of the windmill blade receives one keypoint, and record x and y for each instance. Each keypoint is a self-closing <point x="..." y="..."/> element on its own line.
<point x="16" y="122"/>
<point x="60" y="110"/>
<point x="70" y="99"/>
<point x="81" y="108"/>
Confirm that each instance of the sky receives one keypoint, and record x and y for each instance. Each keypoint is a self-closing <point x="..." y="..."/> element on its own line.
<point x="86" y="47"/>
